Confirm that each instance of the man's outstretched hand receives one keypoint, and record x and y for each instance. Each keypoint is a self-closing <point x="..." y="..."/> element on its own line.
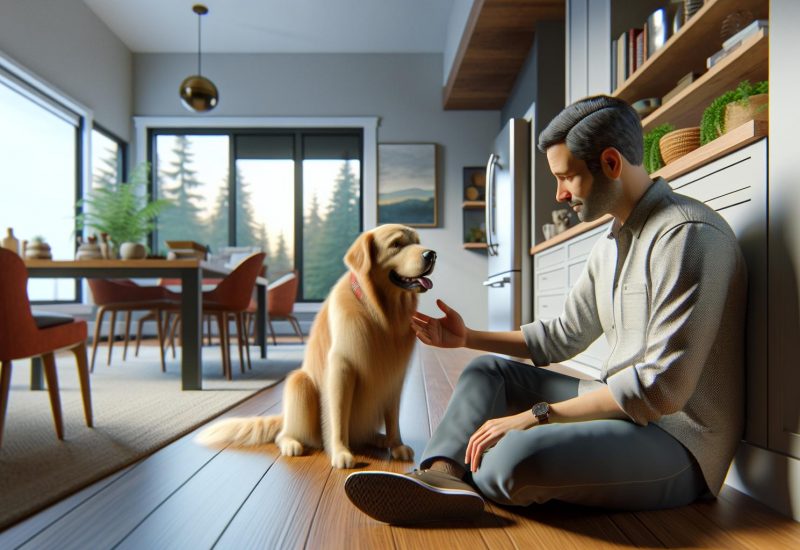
<point x="445" y="332"/>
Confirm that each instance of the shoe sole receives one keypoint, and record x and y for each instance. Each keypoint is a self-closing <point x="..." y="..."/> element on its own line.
<point x="401" y="500"/>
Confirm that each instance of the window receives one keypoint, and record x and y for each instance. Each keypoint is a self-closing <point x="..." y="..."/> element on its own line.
<point x="39" y="152"/>
<point x="108" y="158"/>
<point x="296" y="194"/>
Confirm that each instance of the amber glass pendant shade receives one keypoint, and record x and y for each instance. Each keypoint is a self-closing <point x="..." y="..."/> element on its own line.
<point x="198" y="93"/>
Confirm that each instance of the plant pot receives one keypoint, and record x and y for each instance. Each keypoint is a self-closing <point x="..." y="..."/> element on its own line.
<point x="132" y="251"/>
<point x="736" y="113"/>
<point x="679" y="142"/>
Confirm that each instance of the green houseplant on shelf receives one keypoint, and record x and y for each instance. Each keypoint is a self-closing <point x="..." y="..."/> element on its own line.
<point x="714" y="121"/>
<point x="122" y="211"/>
<point x="652" y="153"/>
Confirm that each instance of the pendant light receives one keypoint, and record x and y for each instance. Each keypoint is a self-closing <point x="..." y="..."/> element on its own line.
<point x="197" y="92"/>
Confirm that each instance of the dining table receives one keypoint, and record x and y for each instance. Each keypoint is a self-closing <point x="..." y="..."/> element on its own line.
<point x="191" y="273"/>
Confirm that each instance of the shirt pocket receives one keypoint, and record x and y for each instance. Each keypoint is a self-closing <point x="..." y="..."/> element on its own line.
<point x="634" y="307"/>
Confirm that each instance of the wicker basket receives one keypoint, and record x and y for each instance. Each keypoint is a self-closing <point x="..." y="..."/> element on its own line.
<point x="756" y="108"/>
<point x="679" y="142"/>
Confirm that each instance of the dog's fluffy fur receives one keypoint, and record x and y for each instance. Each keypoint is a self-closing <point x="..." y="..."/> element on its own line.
<point x="350" y="382"/>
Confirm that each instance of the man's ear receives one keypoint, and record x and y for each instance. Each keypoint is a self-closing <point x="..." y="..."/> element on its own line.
<point x="611" y="163"/>
<point x="359" y="256"/>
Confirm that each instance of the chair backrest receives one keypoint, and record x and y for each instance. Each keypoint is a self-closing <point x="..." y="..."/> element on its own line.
<point x="282" y="295"/>
<point x="124" y="291"/>
<point x="16" y="320"/>
<point x="236" y="289"/>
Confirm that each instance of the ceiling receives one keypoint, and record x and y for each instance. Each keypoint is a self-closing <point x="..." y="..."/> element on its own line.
<point x="279" y="26"/>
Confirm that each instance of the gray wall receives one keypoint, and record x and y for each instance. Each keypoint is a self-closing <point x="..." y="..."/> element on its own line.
<point x="403" y="90"/>
<point x="65" y="44"/>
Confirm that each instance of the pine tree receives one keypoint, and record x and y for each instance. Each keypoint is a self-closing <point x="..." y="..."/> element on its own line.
<point x="340" y="228"/>
<point x="281" y="263"/>
<point x="247" y="226"/>
<point x="218" y="223"/>
<point x="184" y="222"/>
<point x="106" y="174"/>
<point x="313" y="280"/>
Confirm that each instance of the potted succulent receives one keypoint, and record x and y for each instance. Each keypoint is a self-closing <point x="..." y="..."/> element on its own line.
<point x="123" y="212"/>
<point x="733" y="108"/>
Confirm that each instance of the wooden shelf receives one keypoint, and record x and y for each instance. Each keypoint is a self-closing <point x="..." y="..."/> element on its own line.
<point x="476" y="246"/>
<point x="727" y="143"/>
<point x="748" y="62"/>
<point x="686" y="50"/>
<point x="473" y="204"/>
<point x="497" y="39"/>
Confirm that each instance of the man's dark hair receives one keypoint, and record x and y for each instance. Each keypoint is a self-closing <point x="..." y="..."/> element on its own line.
<point x="590" y="125"/>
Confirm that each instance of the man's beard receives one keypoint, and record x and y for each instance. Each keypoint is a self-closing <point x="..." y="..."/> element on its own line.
<point x="600" y="200"/>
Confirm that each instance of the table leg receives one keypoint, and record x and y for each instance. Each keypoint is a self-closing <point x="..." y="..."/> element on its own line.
<point x="191" y="330"/>
<point x="261" y="319"/>
<point x="37" y="382"/>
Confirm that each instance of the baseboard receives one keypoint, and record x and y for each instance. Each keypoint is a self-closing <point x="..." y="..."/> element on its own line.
<point x="769" y="477"/>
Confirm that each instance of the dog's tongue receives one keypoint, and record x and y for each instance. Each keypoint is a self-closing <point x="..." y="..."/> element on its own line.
<point x="425" y="282"/>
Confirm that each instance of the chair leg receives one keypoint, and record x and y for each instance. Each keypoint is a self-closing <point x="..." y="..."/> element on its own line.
<point x="83" y="374"/>
<point x="296" y="325"/>
<point x="208" y="330"/>
<point x="98" y="322"/>
<point x="50" y="375"/>
<point x="5" y="385"/>
<point x="246" y="340"/>
<point x="127" y="334"/>
<point x="111" y="335"/>
<point x="272" y="332"/>
<point x="139" y="324"/>
<point x="237" y="317"/>
<point x="223" y="343"/>
<point x="160" y="334"/>
<point x="172" y="330"/>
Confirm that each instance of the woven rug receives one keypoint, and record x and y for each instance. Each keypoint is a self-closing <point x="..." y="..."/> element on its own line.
<point x="137" y="410"/>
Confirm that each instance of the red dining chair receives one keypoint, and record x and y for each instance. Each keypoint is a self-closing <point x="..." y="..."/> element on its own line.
<point x="282" y="294"/>
<point x="125" y="295"/>
<point x="23" y="336"/>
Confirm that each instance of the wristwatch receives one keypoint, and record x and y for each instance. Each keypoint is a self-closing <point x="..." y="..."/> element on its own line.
<point x="541" y="411"/>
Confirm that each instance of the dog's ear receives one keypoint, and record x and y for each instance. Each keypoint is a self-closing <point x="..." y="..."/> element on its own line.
<point x="359" y="257"/>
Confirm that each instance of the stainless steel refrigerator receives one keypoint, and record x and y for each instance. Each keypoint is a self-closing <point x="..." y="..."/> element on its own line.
<point x="508" y="227"/>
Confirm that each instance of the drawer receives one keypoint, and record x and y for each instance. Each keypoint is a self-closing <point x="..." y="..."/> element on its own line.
<point x="550" y="280"/>
<point x="731" y="199"/>
<point x="574" y="272"/>
<point x="550" y="307"/>
<point x="550" y="258"/>
<point x="581" y="246"/>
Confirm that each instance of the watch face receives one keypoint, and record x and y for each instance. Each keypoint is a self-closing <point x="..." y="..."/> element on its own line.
<point x="541" y="409"/>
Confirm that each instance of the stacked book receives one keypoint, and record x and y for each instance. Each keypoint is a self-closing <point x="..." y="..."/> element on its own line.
<point x="733" y="43"/>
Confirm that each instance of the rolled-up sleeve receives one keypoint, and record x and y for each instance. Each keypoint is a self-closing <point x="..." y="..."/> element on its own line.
<point x="554" y="340"/>
<point x="687" y="300"/>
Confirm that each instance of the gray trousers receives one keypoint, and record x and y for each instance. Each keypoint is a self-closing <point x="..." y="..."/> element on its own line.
<point x="608" y="463"/>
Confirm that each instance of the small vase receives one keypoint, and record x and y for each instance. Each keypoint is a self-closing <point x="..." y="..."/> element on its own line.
<point x="11" y="242"/>
<point x="132" y="251"/>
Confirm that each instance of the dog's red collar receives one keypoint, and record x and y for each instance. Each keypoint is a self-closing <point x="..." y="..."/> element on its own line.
<point x="356" y="287"/>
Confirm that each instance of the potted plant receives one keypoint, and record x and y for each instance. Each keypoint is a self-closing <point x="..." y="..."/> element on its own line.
<point x="733" y="108"/>
<point x="652" y="153"/>
<point x="123" y="212"/>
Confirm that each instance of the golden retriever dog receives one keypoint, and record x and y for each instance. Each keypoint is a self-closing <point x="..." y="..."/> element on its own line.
<point x="349" y="385"/>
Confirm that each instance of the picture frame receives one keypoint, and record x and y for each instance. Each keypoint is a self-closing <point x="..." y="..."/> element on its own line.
<point x="408" y="184"/>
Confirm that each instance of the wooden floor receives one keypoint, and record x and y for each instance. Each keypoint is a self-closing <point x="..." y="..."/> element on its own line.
<point x="187" y="496"/>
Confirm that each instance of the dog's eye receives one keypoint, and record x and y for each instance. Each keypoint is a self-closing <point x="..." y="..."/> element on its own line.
<point x="396" y="244"/>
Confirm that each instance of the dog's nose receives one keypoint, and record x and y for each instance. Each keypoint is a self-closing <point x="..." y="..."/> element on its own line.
<point x="429" y="256"/>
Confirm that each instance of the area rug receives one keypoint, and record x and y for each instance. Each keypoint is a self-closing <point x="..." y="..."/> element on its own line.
<point x="137" y="410"/>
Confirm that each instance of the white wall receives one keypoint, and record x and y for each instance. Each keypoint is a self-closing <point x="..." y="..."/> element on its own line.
<point x="65" y="44"/>
<point x="404" y="90"/>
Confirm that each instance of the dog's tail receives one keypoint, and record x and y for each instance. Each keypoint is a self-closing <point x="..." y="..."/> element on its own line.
<point x="242" y="432"/>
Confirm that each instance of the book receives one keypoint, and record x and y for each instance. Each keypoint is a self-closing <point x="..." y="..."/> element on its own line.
<point x="622" y="58"/>
<point x="614" y="75"/>
<point x="639" y="49"/>
<point x="723" y="53"/>
<point x="687" y="79"/>
<point x="749" y="30"/>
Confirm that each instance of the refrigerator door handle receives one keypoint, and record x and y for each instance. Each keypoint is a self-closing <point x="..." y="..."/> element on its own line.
<point x="490" y="221"/>
<point x="497" y="284"/>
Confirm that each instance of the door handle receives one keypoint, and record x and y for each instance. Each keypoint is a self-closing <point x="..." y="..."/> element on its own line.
<point x="490" y="221"/>
<point x="497" y="284"/>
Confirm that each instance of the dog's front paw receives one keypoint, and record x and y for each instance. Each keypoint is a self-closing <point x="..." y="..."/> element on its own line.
<point x="342" y="459"/>
<point x="290" y="446"/>
<point x="402" y="452"/>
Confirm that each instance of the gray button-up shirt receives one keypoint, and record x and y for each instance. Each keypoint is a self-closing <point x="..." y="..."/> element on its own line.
<point x="668" y="291"/>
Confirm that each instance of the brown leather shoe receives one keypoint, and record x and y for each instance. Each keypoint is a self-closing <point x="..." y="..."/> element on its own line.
<point x="421" y="496"/>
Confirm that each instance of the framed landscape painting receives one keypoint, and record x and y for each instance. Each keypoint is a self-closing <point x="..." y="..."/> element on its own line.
<point x="407" y="188"/>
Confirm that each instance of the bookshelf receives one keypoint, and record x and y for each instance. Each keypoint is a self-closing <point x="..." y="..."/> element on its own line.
<point x="474" y="214"/>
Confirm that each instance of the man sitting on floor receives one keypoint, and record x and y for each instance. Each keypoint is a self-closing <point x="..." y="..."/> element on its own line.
<point x="659" y="428"/>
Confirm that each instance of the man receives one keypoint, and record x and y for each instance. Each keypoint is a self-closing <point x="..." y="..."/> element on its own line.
<point x="659" y="428"/>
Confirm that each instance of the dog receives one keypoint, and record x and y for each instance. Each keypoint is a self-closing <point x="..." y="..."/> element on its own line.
<point x="349" y="384"/>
